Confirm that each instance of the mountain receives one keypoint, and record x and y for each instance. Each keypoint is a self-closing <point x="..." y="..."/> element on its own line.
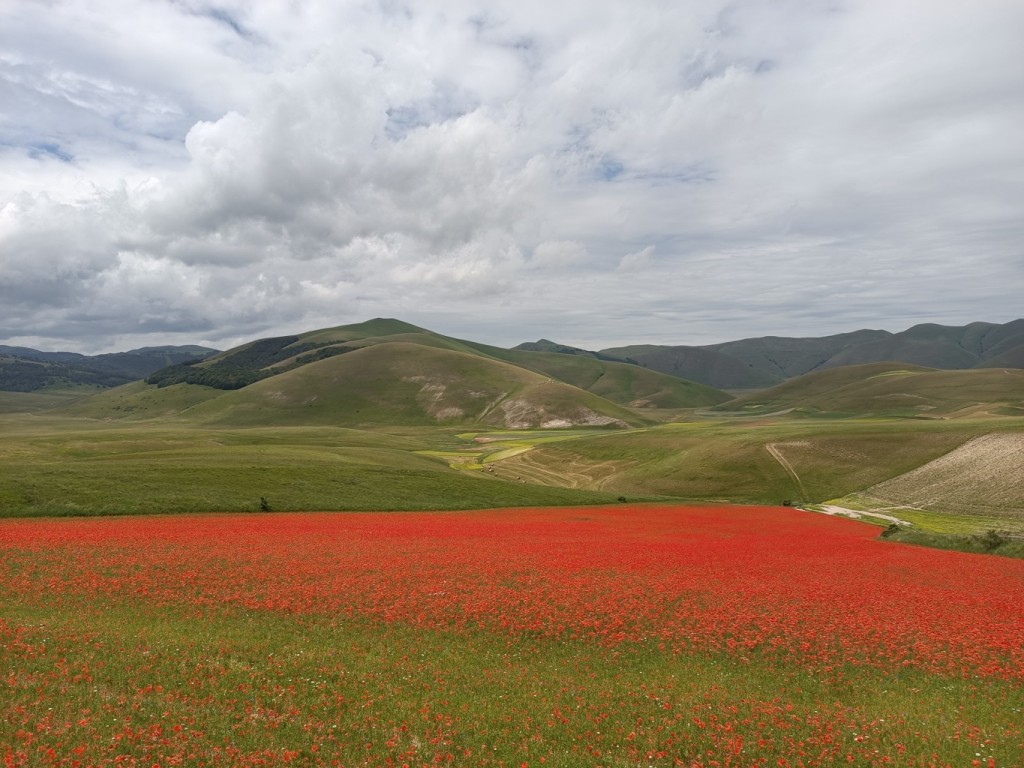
<point x="386" y="371"/>
<point x="707" y="366"/>
<point x="935" y="346"/>
<point x="544" y="345"/>
<point x="141" y="362"/>
<point x="785" y="358"/>
<point x="23" y="369"/>
<point x="765" y="361"/>
<point x="22" y="374"/>
<point x="889" y="389"/>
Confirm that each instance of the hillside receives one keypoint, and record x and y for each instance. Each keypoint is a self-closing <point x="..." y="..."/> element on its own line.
<point x="984" y="475"/>
<point x="618" y="381"/>
<point x="765" y="361"/>
<point x="784" y="358"/>
<point x="23" y="369"/>
<point x="707" y="366"/>
<point x="403" y="383"/>
<point x="889" y="389"/>
<point x="385" y="371"/>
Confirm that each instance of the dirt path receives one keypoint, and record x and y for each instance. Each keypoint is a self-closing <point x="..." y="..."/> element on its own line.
<point x="773" y="449"/>
<point x="832" y="509"/>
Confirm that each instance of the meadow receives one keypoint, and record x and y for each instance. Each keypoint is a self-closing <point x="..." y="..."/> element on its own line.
<point x="602" y="605"/>
<point x="60" y="464"/>
<point x="616" y="635"/>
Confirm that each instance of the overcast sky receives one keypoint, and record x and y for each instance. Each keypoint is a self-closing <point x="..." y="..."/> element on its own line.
<point x="596" y="172"/>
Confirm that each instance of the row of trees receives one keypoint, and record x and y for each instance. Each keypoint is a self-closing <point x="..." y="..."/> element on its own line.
<point x="247" y="365"/>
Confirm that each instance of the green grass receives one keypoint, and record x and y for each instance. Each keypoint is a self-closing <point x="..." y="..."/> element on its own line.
<point x="57" y="465"/>
<point x="82" y="468"/>
<point x="619" y="382"/>
<point x="1003" y="543"/>
<point x="42" y="400"/>
<point x="392" y="384"/>
<point x="156" y="683"/>
<point x="887" y="389"/>
<point x="728" y="459"/>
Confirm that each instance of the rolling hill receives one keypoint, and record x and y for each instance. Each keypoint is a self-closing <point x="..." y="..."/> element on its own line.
<point x="386" y="371"/>
<point x="889" y="389"/>
<point x="707" y="366"/>
<point x="736" y="364"/>
<point x="984" y="475"/>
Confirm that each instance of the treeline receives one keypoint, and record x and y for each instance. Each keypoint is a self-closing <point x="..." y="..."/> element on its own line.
<point x="248" y="365"/>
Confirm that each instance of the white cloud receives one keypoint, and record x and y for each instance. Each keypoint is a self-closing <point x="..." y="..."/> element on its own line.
<point x="796" y="167"/>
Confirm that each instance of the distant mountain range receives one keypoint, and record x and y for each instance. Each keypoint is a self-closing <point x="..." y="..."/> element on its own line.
<point x="765" y="361"/>
<point x="23" y="369"/>
<point x="386" y="371"/>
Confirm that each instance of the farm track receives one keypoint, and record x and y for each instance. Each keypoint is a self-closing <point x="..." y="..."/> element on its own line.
<point x="773" y="449"/>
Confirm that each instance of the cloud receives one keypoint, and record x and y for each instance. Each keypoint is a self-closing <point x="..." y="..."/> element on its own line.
<point x="201" y="172"/>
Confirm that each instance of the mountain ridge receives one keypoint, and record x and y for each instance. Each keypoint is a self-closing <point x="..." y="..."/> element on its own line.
<point x="763" y="361"/>
<point x="23" y="369"/>
<point x="385" y="371"/>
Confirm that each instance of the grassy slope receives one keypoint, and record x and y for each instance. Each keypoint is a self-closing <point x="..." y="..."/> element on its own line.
<point x="938" y="346"/>
<point x="406" y="383"/>
<point x="721" y="460"/>
<point x="979" y="485"/>
<point x="891" y="389"/>
<point x="397" y="382"/>
<point x="391" y="372"/>
<point x="711" y="367"/>
<point x="619" y="382"/>
<point x="785" y="357"/>
<point x="27" y="402"/>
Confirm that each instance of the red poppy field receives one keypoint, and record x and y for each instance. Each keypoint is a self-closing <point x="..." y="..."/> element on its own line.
<point x="628" y="635"/>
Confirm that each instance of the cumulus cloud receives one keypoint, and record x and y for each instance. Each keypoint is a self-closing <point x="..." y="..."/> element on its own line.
<point x="601" y="173"/>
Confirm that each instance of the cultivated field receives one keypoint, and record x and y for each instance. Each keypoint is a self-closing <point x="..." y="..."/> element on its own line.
<point x="624" y="635"/>
<point x="983" y="476"/>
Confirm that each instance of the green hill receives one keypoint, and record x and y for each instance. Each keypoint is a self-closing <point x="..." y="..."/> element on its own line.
<point x="707" y="366"/>
<point x="784" y="358"/>
<point x="947" y="347"/>
<point x="386" y="372"/>
<point x="765" y="361"/>
<point x="404" y="383"/>
<point x="889" y="389"/>
<point x="618" y="381"/>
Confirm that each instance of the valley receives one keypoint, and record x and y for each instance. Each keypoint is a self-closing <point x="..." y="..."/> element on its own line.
<point x="387" y="415"/>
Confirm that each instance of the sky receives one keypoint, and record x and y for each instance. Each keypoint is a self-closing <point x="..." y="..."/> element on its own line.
<point x="594" y="172"/>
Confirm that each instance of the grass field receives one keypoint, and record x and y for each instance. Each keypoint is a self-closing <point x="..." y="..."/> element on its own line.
<point x="598" y="636"/>
<point x="60" y="464"/>
<point x="582" y="634"/>
<point x="66" y="468"/>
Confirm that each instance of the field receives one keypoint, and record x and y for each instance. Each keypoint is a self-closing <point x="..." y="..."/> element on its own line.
<point x="622" y="635"/>
<point x="56" y="464"/>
